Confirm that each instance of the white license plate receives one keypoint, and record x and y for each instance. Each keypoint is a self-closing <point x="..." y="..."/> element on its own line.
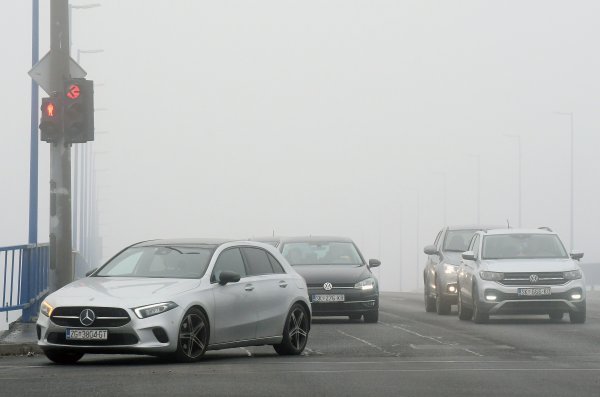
<point x="533" y="291"/>
<point x="86" y="334"/>
<point x="329" y="298"/>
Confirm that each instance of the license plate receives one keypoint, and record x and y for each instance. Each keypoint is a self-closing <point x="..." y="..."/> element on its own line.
<point x="328" y="298"/>
<point x="533" y="291"/>
<point x="86" y="334"/>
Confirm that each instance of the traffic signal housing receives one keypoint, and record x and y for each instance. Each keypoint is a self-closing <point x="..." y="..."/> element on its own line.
<point x="79" y="110"/>
<point x="51" y="122"/>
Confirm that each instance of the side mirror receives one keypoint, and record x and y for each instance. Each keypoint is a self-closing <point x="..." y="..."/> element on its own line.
<point x="576" y="255"/>
<point x="468" y="255"/>
<point x="90" y="272"/>
<point x="431" y="250"/>
<point x="374" y="262"/>
<point x="228" y="277"/>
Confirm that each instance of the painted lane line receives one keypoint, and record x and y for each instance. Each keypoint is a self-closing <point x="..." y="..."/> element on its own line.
<point x="366" y="342"/>
<point x="247" y="351"/>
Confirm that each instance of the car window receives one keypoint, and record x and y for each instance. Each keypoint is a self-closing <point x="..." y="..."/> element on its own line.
<point x="437" y="238"/>
<point x="475" y="245"/>
<point x="277" y="268"/>
<point x="321" y="253"/>
<point x="258" y="261"/>
<point x="128" y="264"/>
<point x="229" y="260"/>
<point x="523" y="246"/>
<point x="458" y="240"/>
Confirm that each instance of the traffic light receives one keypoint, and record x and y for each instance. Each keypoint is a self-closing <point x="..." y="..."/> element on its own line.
<point x="51" y="123"/>
<point x="79" y="110"/>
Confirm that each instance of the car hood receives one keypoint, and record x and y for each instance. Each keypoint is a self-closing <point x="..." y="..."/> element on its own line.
<point x="105" y="291"/>
<point x="529" y="265"/>
<point x="452" y="257"/>
<point x="335" y="274"/>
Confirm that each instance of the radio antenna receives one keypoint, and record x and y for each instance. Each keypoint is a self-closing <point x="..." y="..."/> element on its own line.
<point x="507" y="223"/>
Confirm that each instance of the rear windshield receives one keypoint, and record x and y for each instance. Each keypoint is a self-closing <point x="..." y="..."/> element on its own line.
<point x="322" y="253"/>
<point x="159" y="262"/>
<point x="523" y="246"/>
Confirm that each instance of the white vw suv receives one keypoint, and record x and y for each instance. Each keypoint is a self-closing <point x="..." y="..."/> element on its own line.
<point x="512" y="271"/>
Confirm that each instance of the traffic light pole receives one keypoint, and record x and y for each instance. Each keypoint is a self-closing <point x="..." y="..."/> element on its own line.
<point x="61" y="257"/>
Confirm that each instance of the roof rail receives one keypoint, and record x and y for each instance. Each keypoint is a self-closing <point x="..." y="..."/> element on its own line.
<point x="546" y="228"/>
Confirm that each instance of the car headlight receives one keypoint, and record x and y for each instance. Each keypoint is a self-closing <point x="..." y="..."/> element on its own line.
<point x="491" y="276"/>
<point x="573" y="275"/>
<point x="450" y="269"/>
<point x="154" y="309"/>
<point x="46" y="309"/>
<point x="366" y="284"/>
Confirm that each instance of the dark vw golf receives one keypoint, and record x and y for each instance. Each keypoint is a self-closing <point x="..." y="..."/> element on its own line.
<point x="340" y="282"/>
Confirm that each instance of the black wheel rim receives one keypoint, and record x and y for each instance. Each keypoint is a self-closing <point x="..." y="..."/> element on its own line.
<point x="192" y="335"/>
<point x="298" y="328"/>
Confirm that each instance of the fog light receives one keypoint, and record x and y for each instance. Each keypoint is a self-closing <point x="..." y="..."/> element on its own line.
<point x="575" y="296"/>
<point x="452" y="288"/>
<point x="491" y="297"/>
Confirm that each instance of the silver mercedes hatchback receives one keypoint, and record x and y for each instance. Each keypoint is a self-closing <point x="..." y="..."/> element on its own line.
<point x="179" y="298"/>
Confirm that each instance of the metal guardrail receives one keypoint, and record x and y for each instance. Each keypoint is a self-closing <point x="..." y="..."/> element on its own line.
<point x="24" y="278"/>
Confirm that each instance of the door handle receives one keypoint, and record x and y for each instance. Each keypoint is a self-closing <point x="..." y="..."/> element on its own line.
<point x="282" y="284"/>
<point x="249" y="287"/>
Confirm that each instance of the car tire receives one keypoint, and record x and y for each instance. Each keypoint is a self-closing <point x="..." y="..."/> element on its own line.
<point x="63" y="357"/>
<point x="464" y="313"/>
<point x="478" y="316"/>
<point x="556" y="316"/>
<point x="442" y="307"/>
<point x="193" y="336"/>
<point x="429" y="301"/>
<point x="578" y="317"/>
<point x="371" y="317"/>
<point x="295" y="332"/>
<point x="355" y="316"/>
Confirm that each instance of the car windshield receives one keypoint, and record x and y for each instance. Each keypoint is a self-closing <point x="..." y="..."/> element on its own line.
<point x="159" y="262"/>
<point x="523" y="246"/>
<point x="322" y="253"/>
<point x="458" y="240"/>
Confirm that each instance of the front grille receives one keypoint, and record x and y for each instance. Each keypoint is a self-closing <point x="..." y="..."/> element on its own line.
<point x="544" y="278"/>
<point x="68" y="316"/>
<point x="113" y="340"/>
<point x="335" y="285"/>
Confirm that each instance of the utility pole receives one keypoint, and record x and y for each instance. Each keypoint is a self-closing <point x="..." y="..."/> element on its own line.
<point x="33" y="159"/>
<point x="572" y="234"/>
<point x="518" y="137"/>
<point x="61" y="258"/>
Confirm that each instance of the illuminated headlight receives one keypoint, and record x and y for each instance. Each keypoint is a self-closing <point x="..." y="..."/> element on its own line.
<point x="450" y="269"/>
<point x="576" y="296"/>
<point x="491" y="297"/>
<point x="366" y="284"/>
<point x="46" y="309"/>
<point x="154" y="309"/>
<point x="491" y="276"/>
<point x="572" y="275"/>
<point x="451" y="288"/>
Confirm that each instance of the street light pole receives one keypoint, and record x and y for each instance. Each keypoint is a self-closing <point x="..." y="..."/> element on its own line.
<point x="518" y="137"/>
<point x="478" y="158"/>
<point x="445" y="197"/>
<point x="570" y="114"/>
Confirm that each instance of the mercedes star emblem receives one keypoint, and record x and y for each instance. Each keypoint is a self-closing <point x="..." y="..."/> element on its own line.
<point x="534" y="278"/>
<point x="327" y="286"/>
<point x="87" y="317"/>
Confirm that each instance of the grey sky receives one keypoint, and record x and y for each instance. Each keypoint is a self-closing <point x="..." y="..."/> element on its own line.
<point x="236" y="118"/>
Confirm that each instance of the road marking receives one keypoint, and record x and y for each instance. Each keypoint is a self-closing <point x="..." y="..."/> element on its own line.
<point x="311" y="351"/>
<point x="247" y="351"/>
<point x="431" y="338"/>
<point x="366" y="342"/>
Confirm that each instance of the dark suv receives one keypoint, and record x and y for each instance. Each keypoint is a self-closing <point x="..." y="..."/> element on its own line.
<point x="340" y="282"/>
<point x="443" y="260"/>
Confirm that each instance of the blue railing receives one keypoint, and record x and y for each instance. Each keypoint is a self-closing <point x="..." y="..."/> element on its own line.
<point x="24" y="278"/>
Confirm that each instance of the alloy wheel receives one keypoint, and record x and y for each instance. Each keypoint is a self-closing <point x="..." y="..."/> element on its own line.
<point x="298" y="328"/>
<point x="193" y="335"/>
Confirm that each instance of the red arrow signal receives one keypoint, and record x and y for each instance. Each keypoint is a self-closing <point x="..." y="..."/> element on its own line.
<point x="73" y="92"/>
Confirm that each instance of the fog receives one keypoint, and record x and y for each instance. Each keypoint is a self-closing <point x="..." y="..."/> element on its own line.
<point x="239" y="119"/>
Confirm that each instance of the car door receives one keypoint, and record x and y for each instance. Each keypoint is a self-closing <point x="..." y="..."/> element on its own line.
<point x="273" y="288"/>
<point x="432" y="262"/>
<point x="467" y="270"/>
<point x="236" y="304"/>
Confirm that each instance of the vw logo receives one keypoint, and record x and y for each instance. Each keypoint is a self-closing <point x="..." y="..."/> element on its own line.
<point x="87" y="317"/>
<point x="327" y="286"/>
<point x="534" y="278"/>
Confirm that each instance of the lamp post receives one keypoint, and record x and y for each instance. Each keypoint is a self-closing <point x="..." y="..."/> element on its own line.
<point x="570" y="114"/>
<point x="478" y="158"/>
<point x="518" y="138"/>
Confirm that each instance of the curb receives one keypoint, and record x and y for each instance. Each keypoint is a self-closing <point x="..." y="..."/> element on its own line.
<point x="19" y="349"/>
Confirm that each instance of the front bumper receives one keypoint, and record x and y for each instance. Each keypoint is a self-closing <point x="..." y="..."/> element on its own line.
<point x="355" y="302"/>
<point x="507" y="300"/>
<point x="138" y="336"/>
<point x="449" y="288"/>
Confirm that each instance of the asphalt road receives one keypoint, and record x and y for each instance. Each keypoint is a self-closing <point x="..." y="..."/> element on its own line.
<point x="408" y="353"/>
